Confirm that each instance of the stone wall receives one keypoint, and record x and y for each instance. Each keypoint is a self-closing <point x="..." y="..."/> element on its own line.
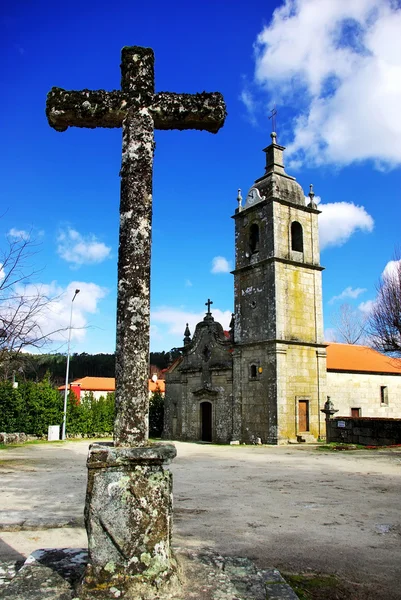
<point x="363" y="391"/>
<point x="14" y="438"/>
<point x="301" y="377"/>
<point x="364" y="430"/>
<point x="254" y="375"/>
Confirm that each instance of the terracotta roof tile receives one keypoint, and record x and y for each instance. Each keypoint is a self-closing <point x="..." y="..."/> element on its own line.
<point x="108" y="384"/>
<point x="361" y="359"/>
<point x="160" y="385"/>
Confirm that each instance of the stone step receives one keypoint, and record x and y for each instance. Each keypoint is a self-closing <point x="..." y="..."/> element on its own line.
<point x="53" y="574"/>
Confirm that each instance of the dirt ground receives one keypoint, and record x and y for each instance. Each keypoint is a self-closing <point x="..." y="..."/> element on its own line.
<point x="296" y="508"/>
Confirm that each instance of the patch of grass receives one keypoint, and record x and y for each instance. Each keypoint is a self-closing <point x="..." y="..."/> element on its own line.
<point x="53" y="442"/>
<point x="337" y="446"/>
<point x="312" y="586"/>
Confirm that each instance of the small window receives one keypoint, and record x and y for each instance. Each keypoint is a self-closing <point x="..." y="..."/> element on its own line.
<point x="254" y="238"/>
<point x="297" y="242"/>
<point x="383" y="394"/>
<point x="253" y="371"/>
<point x="355" y="412"/>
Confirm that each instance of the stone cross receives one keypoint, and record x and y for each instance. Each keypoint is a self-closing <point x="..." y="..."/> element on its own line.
<point x="208" y="304"/>
<point x="138" y="110"/>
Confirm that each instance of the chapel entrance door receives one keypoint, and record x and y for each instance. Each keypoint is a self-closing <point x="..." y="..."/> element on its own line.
<point x="206" y="421"/>
<point x="303" y="415"/>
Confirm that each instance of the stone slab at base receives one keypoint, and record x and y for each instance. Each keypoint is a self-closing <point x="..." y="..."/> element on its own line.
<point x="205" y="574"/>
<point x="128" y="518"/>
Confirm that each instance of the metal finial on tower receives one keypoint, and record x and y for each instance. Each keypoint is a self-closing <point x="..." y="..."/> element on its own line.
<point x="239" y="199"/>
<point x="312" y="203"/>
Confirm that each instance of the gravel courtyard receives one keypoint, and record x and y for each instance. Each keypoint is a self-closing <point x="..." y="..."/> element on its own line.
<point x="295" y="508"/>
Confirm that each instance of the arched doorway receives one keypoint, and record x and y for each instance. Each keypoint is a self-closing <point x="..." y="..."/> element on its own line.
<point x="206" y="421"/>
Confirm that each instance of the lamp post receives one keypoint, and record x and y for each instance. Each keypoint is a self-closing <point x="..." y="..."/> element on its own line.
<point x="67" y="371"/>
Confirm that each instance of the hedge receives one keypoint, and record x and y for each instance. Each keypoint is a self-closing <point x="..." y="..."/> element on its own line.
<point x="32" y="407"/>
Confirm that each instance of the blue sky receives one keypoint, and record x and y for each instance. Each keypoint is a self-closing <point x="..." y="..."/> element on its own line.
<point x="332" y="68"/>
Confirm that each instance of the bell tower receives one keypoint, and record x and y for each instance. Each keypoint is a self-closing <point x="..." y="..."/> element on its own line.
<point x="279" y="358"/>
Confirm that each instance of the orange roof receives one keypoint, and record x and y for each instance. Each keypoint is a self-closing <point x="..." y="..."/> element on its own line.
<point x="94" y="384"/>
<point x="360" y="359"/>
<point x="158" y="385"/>
<point x="108" y="384"/>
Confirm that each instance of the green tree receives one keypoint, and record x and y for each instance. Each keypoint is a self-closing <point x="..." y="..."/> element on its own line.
<point x="156" y="414"/>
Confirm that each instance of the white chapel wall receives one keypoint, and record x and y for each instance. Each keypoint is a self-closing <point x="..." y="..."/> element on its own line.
<point x="363" y="390"/>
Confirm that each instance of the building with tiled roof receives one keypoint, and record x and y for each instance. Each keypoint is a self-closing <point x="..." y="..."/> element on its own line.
<point x="101" y="386"/>
<point x="268" y="379"/>
<point x="363" y="382"/>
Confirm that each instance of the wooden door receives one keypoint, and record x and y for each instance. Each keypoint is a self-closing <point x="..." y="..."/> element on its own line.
<point x="303" y="415"/>
<point x="355" y="412"/>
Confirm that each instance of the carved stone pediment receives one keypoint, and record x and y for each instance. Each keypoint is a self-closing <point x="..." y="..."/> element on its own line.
<point x="205" y="391"/>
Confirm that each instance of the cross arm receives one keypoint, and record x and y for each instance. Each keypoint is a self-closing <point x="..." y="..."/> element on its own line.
<point x="189" y="111"/>
<point x="86" y="108"/>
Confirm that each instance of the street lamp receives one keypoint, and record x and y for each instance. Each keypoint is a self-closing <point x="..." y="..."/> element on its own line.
<point x="67" y="371"/>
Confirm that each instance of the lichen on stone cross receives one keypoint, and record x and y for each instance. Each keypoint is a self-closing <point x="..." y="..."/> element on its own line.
<point x="138" y="110"/>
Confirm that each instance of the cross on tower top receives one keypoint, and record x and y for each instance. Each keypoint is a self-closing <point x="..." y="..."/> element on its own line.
<point x="208" y="303"/>
<point x="273" y="118"/>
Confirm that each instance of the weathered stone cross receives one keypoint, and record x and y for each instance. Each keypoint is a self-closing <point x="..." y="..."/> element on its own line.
<point x="138" y="110"/>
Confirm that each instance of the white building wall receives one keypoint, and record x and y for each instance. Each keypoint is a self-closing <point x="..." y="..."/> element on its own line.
<point x="363" y="390"/>
<point x="96" y="394"/>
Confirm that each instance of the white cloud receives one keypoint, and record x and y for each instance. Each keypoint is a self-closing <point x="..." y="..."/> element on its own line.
<point x="176" y="319"/>
<point x="54" y="319"/>
<point x="248" y="100"/>
<point x="220" y="265"/>
<point x="19" y="234"/>
<point x="81" y="249"/>
<point x="392" y="268"/>
<point x="330" y="334"/>
<point x="366" y="307"/>
<point x="349" y="292"/>
<point x="341" y="62"/>
<point x="2" y="273"/>
<point x="339" y="220"/>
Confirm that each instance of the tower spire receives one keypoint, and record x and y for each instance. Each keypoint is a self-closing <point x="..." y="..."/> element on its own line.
<point x="187" y="336"/>
<point x="312" y="203"/>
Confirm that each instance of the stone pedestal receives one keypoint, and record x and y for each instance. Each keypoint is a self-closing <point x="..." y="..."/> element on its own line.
<point x="128" y="517"/>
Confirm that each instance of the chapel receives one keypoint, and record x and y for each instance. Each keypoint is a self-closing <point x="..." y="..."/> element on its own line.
<point x="267" y="379"/>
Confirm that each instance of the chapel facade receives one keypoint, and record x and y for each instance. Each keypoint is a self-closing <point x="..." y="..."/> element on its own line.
<point x="266" y="380"/>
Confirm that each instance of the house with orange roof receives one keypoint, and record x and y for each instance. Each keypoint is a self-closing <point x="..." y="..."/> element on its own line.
<point x="363" y="382"/>
<point x="101" y="386"/>
<point x="267" y="381"/>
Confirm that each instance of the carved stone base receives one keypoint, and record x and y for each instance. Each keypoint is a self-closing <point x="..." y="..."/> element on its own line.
<point x="128" y="518"/>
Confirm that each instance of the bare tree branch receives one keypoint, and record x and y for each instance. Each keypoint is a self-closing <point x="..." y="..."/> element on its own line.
<point x="23" y="306"/>
<point x="385" y="318"/>
<point x="349" y="325"/>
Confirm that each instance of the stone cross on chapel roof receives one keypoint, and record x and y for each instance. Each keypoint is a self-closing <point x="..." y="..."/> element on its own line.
<point x="138" y="110"/>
